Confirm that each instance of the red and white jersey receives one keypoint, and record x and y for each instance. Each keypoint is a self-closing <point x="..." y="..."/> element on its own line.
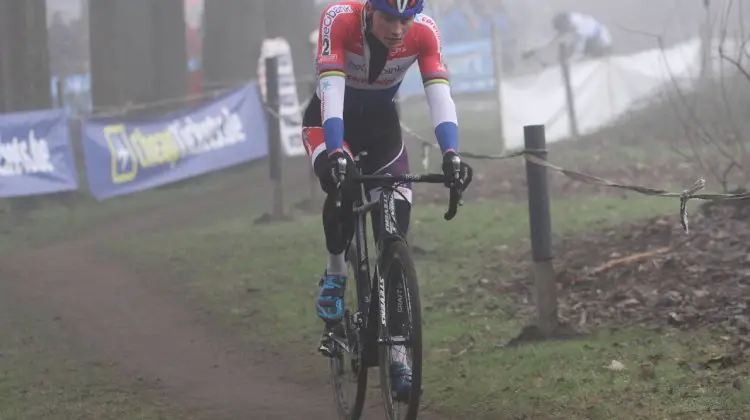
<point x="342" y="48"/>
<point x="344" y="60"/>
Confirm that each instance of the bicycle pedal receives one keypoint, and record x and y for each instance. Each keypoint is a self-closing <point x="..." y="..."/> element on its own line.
<point x="326" y="347"/>
<point x="325" y="351"/>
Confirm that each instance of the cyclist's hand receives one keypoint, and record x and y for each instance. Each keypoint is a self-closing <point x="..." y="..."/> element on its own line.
<point x="337" y="172"/>
<point x="456" y="175"/>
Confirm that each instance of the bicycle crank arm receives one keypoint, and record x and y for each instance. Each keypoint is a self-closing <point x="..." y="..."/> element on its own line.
<point x="340" y="342"/>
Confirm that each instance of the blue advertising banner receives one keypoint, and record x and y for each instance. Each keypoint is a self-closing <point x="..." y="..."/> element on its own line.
<point x="470" y="65"/>
<point x="125" y="156"/>
<point x="35" y="154"/>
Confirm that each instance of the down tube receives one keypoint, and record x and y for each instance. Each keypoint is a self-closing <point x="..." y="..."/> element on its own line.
<point x="389" y="229"/>
<point x="362" y="265"/>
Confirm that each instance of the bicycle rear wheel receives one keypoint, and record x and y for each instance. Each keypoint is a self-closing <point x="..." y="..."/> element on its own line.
<point x="348" y="372"/>
<point x="402" y="339"/>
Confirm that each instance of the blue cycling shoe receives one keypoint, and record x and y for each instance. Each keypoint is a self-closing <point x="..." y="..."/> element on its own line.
<point x="330" y="303"/>
<point x="401" y="380"/>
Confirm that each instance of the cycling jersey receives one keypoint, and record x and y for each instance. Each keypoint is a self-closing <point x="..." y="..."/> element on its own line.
<point x="588" y="31"/>
<point x="354" y="73"/>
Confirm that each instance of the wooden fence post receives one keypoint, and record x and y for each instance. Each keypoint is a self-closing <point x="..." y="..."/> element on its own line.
<point x="541" y="231"/>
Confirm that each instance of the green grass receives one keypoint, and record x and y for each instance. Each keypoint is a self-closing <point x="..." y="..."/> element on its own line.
<point x="262" y="281"/>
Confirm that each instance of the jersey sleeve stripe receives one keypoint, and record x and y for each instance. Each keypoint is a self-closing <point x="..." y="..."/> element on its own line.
<point x="436" y="81"/>
<point x="330" y="73"/>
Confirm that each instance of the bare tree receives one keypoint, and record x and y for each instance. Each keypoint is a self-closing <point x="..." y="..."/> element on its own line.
<point x="714" y="120"/>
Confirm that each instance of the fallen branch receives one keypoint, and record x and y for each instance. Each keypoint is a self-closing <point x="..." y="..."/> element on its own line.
<point x="639" y="256"/>
<point x="630" y="259"/>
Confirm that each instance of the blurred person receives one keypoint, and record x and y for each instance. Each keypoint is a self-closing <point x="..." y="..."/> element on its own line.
<point x="363" y="53"/>
<point x="585" y="36"/>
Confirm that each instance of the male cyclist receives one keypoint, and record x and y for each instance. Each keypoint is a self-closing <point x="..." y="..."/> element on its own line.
<point x="585" y="36"/>
<point x="364" y="51"/>
<point x="590" y="38"/>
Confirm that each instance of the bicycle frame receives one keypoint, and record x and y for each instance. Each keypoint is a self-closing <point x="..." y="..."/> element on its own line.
<point x="371" y="283"/>
<point x="370" y="319"/>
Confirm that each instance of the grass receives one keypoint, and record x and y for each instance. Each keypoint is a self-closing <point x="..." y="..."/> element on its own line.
<point x="262" y="281"/>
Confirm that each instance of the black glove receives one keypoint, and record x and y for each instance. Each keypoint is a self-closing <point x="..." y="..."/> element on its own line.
<point x="338" y="178"/>
<point x="453" y="178"/>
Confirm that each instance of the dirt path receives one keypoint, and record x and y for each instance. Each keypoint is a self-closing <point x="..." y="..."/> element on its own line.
<point x="152" y="336"/>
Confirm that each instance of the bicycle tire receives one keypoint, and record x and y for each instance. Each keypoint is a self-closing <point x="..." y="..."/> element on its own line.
<point x="398" y="253"/>
<point x="343" y="408"/>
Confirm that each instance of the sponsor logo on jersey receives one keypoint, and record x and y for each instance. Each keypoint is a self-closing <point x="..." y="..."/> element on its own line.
<point x="328" y="58"/>
<point x="430" y="23"/>
<point x="328" y="18"/>
<point x="395" y="69"/>
<point x="351" y="65"/>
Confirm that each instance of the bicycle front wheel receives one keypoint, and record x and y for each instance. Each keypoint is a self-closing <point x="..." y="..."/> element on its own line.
<point x="400" y="348"/>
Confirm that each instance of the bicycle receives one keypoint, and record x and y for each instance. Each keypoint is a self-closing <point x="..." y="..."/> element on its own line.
<point x="368" y="334"/>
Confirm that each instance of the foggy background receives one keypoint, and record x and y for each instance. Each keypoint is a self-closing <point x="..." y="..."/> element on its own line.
<point x="145" y="58"/>
<point x="525" y="23"/>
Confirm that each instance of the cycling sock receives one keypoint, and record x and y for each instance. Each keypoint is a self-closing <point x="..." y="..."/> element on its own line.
<point x="398" y="355"/>
<point x="337" y="265"/>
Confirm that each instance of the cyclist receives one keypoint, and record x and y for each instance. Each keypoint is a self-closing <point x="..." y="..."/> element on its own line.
<point x="585" y="36"/>
<point x="589" y="37"/>
<point x="364" y="51"/>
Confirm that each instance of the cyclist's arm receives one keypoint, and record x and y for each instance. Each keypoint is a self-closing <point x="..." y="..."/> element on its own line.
<point x="437" y="86"/>
<point x="334" y="26"/>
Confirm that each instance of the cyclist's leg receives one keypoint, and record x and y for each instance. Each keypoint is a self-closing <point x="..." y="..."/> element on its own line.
<point x="337" y="229"/>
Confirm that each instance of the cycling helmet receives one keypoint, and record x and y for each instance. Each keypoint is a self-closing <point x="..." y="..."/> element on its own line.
<point x="400" y="8"/>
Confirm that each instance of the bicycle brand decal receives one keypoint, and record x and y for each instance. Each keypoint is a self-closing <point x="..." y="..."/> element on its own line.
<point x="390" y="214"/>
<point x="381" y="290"/>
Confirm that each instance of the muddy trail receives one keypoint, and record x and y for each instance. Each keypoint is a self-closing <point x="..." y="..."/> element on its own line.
<point x="144" y="326"/>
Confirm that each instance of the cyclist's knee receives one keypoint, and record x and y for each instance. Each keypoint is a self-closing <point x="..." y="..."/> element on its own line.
<point x="338" y="224"/>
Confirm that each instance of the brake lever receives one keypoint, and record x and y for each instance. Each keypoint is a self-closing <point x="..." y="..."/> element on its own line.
<point x="457" y="172"/>
<point x="456" y="191"/>
<point x="341" y="162"/>
<point x="455" y="197"/>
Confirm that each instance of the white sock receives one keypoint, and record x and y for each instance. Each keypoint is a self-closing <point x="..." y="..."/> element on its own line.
<point x="398" y="355"/>
<point x="337" y="265"/>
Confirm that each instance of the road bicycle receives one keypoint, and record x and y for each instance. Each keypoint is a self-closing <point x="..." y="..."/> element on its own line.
<point x="371" y="335"/>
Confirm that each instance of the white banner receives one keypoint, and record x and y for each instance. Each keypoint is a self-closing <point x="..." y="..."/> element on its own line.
<point x="290" y="122"/>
